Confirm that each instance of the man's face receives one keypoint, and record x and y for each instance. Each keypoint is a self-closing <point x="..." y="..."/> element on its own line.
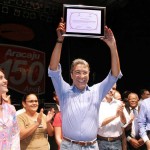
<point x="133" y="100"/>
<point x="110" y="94"/>
<point x="117" y="95"/>
<point x="145" y="95"/>
<point x="80" y="76"/>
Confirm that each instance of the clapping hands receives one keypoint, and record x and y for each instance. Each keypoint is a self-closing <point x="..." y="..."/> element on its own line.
<point x="50" y="115"/>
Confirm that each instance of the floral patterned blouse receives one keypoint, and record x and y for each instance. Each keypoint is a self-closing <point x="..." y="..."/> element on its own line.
<point x="9" y="130"/>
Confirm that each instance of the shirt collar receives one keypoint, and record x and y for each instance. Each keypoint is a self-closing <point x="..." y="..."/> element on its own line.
<point x="75" y="89"/>
<point x="113" y="100"/>
<point x="136" y="108"/>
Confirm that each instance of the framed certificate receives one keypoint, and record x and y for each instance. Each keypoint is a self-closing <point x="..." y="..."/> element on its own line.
<point x="84" y="21"/>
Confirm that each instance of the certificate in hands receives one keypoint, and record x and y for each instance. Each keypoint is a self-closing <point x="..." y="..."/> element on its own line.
<point x="84" y="21"/>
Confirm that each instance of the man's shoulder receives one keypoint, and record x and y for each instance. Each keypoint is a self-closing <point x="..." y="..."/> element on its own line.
<point x="146" y="102"/>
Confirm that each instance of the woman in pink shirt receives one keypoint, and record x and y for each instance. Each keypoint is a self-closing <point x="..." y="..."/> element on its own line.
<point x="57" y="123"/>
<point x="9" y="131"/>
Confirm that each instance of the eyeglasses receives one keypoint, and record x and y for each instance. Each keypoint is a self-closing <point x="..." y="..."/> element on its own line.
<point x="32" y="101"/>
<point x="133" y="99"/>
<point x="77" y="72"/>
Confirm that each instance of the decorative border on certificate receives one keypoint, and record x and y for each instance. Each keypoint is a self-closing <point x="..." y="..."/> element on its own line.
<point x="84" y="21"/>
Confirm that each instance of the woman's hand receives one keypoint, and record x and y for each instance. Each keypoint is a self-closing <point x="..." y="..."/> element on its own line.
<point x="50" y="115"/>
<point x="39" y="118"/>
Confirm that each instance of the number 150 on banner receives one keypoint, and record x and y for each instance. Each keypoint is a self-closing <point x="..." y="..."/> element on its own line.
<point x="24" y="68"/>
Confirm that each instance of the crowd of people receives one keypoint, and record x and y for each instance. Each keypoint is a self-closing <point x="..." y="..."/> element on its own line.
<point x="94" y="117"/>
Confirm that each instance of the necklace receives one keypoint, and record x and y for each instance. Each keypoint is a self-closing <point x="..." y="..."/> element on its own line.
<point x="3" y="125"/>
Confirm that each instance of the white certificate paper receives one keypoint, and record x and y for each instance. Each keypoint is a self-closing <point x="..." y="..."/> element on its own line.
<point x="84" y="21"/>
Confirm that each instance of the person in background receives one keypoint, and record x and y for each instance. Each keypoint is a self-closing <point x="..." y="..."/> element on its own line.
<point x="34" y="126"/>
<point x="125" y="97"/>
<point x="144" y="93"/>
<point x="77" y="99"/>
<point x="53" y="140"/>
<point x="144" y="122"/>
<point x="20" y="111"/>
<point x="55" y="98"/>
<point x="9" y="130"/>
<point x="57" y="123"/>
<point x="134" y="141"/>
<point x="112" y="118"/>
<point x="117" y="95"/>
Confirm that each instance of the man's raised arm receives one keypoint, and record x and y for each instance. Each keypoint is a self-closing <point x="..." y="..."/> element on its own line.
<point x="109" y="39"/>
<point x="56" y="54"/>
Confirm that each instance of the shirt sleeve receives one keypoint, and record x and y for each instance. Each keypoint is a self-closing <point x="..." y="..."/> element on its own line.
<point x="57" y="120"/>
<point x="15" y="134"/>
<point x="142" y="122"/>
<point x="128" y="118"/>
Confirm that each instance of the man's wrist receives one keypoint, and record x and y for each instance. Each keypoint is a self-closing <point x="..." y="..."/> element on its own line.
<point x="59" y="41"/>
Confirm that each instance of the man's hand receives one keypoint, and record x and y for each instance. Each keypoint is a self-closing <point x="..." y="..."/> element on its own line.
<point x="120" y="109"/>
<point x="134" y="143"/>
<point x="109" y="38"/>
<point x="141" y="142"/>
<point x="61" y="30"/>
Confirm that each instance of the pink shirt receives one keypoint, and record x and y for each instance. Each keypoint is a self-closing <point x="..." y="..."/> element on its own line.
<point x="57" y="120"/>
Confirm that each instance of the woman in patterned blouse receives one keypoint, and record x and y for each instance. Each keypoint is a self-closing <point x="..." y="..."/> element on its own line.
<point x="9" y="131"/>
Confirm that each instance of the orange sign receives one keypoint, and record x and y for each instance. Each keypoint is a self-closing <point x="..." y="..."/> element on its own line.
<point x="24" y="68"/>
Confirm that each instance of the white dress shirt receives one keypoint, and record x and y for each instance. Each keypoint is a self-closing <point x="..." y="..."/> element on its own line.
<point x="114" y="128"/>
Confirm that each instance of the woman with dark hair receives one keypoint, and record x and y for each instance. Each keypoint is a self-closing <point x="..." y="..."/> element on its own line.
<point x="9" y="131"/>
<point x="34" y="127"/>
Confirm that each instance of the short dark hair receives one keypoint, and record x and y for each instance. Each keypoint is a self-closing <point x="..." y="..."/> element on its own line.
<point x="142" y="91"/>
<point x="26" y="95"/>
<point x="2" y="70"/>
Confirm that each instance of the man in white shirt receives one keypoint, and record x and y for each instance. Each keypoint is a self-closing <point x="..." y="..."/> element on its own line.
<point x="112" y="118"/>
<point x="20" y="111"/>
<point x="117" y="95"/>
